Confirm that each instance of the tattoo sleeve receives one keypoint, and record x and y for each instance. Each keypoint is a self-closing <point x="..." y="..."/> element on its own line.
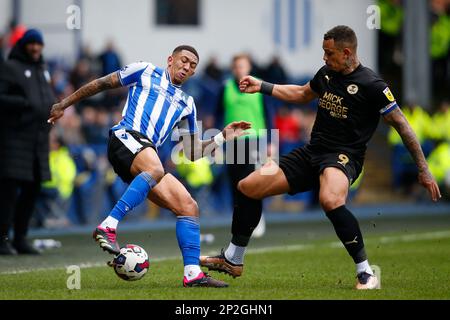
<point x="399" y="122"/>
<point x="109" y="81"/>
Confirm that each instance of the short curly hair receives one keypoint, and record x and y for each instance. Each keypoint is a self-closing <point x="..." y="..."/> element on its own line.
<point x="187" y="48"/>
<point x="342" y="36"/>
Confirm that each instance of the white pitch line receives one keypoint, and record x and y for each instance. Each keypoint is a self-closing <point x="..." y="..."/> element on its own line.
<point x="335" y="244"/>
<point x="83" y="265"/>
<point x="418" y="236"/>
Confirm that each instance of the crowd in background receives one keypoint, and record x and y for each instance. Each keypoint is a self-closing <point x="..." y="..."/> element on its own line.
<point x="430" y="123"/>
<point x="84" y="188"/>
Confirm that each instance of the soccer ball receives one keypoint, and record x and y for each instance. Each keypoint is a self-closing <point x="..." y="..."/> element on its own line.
<point x="131" y="263"/>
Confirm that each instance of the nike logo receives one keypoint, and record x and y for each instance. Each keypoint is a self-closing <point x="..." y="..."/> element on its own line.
<point x="124" y="136"/>
<point x="353" y="241"/>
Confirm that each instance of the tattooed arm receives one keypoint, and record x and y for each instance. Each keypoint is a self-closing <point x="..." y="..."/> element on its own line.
<point x="396" y="119"/>
<point x="195" y="148"/>
<point x="110" y="81"/>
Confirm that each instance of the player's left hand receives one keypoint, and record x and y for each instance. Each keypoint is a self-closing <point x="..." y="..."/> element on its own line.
<point x="428" y="182"/>
<point x="236" y="129"/>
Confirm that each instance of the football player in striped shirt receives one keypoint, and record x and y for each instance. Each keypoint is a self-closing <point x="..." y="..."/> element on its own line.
<point x="155" y="106"/>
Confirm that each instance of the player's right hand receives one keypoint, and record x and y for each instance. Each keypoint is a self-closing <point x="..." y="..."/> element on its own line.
<point x="429" y="183"/>
<point x="56" y="112"/>
<point x="249" y="84"/>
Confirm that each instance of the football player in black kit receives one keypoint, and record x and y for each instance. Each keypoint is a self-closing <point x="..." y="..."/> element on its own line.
<point x="351" y="99"/>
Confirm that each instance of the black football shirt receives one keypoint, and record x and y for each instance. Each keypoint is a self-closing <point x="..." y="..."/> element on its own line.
<point x="349" y="109"/>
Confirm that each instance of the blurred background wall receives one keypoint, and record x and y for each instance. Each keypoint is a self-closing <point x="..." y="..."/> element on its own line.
<point x="292" y="29"/>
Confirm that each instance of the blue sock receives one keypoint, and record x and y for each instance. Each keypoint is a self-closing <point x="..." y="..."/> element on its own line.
<point x="188" y="236"/>
<point x="136" y="193"/>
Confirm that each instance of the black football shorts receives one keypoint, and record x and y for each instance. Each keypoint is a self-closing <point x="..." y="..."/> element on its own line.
<point x="303" y="166"/>
<point x="123" y="147"/>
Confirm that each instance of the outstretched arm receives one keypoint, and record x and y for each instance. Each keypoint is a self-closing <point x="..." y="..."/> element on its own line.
<point x="287" y="92"/>
<point x="396" y="119"/>
<point x="194" y="148"/>
<point x="109" y="81"/>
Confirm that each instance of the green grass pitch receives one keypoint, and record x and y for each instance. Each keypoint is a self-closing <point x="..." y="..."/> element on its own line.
<point x="300" y="260"/>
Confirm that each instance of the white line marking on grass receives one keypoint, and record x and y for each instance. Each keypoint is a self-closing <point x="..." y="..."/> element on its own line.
<point x="83" y="265"/>
<point x="417" y="236"/>
<point x="295" y="247"/>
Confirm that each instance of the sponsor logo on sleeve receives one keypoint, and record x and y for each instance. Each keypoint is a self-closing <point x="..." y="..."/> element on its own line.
<point x="387" y="92"/>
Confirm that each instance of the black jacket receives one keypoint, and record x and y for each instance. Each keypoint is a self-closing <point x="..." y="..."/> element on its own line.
<point x="26" y="97"/>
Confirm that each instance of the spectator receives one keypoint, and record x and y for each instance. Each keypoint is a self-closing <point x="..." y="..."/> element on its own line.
<point x="289" y="129"/>
<point x="109" y="59"/>
<point x="212" y="69"/>
<point x="16" y="32"/>
<point x="275" y="72"/>
<point x="440" y="130"/>
<point x="54" y="199"/>
<point x="439" y="48"/>
<point x="390" y="35"/>
<point x="25" y="98"/>
<point x="110" y="62"/>
<point x="81" y="74"/>
<point x="439" y="162"/>
<point x="234" y="105"/>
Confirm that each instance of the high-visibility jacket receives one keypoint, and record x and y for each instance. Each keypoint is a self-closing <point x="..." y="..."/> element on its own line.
<point x="439" y="162"/>
<point x="440" y="37"/>
<point x="196" y="173"/>
<point x="391" y="16"/>
<point x="63" y="171"/>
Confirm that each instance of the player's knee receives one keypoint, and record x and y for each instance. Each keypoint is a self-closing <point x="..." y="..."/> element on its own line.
<point x="248" y="189"/>
<point x="157" y="173"/>
<point x="330" y="202"/>
<point x="189" y="207"/>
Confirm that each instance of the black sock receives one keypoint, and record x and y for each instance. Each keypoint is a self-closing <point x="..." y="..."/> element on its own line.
<point x="347" y="229"/>
<point x="246" y="215"/>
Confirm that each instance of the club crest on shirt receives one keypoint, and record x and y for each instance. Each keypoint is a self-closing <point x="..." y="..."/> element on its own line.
<point x="387" y="92"/>
<point x="47" y="76"/>
<point x="352" y="89"/>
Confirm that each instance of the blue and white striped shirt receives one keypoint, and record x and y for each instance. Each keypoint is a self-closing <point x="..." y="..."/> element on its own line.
<point x="155" y="105"/>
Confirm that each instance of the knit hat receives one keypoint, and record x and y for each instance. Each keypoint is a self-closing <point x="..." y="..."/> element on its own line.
<point x="32" y="35"/>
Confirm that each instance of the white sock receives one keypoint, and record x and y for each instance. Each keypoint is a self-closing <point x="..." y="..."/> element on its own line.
<point x="110" y="222"/>
<point x="191" y="271"/>
<point x="364" y="267"/>
<point x="235" y="253"/>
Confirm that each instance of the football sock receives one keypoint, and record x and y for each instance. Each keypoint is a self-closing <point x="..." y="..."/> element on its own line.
<point x="235" y="254"/>
<point x="136" y="193"/>
<point x="188" y="236"/>
<point x="363" y="267"/>
<point x="347" y="229"/>
<point x="246" y="215"/>
<point x="109" y="222"/>
<point x="191" y="271"/>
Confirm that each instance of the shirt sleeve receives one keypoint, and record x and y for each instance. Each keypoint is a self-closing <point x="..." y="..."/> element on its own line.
<point x="314" y="83"/>
<point x="382" y="98"/>
<point x="131" y="74"/>
<point x="188" y="125"/>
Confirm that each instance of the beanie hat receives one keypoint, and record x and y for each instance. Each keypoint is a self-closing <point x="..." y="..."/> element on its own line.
<point x="32" y="35"/>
